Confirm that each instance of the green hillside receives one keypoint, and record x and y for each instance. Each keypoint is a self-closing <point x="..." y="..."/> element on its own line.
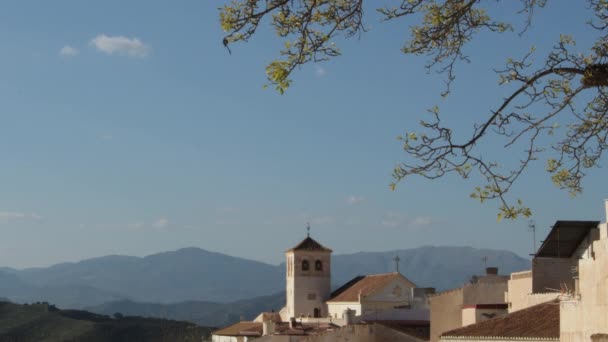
<point x="42" y="322"/>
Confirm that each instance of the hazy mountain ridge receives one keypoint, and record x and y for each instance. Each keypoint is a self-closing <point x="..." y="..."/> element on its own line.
<point x="442" y="267"/>
<point x="185" y="274"/>
<point x="193" y="274"/>
<point x="202" y="313"/>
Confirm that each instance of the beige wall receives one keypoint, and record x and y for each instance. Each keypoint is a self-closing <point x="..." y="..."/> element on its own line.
<point x="519" y="295"/>
<point x="446" y="312"/>
<point x="476" y="315"/>
<point x="446" y="307"/>
<point x="519" y="287"/>
<point x="485" y="293"/>
<point x="586" y="314"/>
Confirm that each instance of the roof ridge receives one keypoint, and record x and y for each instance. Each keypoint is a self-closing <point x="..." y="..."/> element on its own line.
<point x="382" y="274"/>
<point x="309" y="244"/>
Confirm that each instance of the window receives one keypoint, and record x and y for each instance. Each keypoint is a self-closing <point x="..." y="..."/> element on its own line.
<point x="312" y="296"/>
<point x="317" y="313"/>
<point x="318" y="265"/>
<point x="305" y="265"/>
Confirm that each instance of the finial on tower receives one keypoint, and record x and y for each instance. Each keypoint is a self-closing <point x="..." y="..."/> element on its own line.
<point x="307" y="229"/>
<point x="485" y="261"/>
<point x="396" y="259"/>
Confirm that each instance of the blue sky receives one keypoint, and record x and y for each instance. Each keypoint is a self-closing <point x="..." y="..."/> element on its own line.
<point x="127" y="128"/>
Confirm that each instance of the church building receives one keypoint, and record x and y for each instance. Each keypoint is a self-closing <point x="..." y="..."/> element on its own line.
<point x="387" y="302"/>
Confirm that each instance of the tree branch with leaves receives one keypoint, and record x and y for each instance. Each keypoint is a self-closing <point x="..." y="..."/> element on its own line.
<point x="557" y="110"/>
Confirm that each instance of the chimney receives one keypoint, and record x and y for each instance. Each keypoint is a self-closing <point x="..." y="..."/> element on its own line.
<point x="491" y="270"/>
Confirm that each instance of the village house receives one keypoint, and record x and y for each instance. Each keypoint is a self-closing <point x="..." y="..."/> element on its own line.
<point x="481" y="299"/>
<point x="569" y="276"/>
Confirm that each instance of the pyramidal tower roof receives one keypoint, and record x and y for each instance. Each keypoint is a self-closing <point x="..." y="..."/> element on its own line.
<point x="309" y="244"/>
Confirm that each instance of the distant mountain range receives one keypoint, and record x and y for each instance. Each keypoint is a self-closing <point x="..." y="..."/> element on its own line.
<point x="202" y="313"/>
<point x="193" y="275"/>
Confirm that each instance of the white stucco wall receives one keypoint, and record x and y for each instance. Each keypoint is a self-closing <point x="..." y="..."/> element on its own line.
<point x="307" y="290"/>
<point x="216" y="338"/>
<point x="336" y="309"/>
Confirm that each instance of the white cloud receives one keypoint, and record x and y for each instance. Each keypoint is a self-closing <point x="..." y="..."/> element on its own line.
<point x="422" y="221"/>
<point x="390" y="223"/>
<point x="162" y="222"/>
<point x="120" y="45"/>
<point x="320" y="71"/>
<point x="15" y="216"/>
<point x="352" y="199"/>
<point x="135" y="225"/>
<point x="68" y="51"/>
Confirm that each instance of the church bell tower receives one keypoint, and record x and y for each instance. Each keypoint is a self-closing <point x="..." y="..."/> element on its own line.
<point x="308" y="279"/>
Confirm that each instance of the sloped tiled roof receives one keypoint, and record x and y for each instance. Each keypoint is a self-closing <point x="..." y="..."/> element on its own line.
<point x="241" y="329"/>
<point x="418" y="329"/>
<point x="364" y="285"/>
<point x="539" y="321"/>
<point x="309" y="244"/>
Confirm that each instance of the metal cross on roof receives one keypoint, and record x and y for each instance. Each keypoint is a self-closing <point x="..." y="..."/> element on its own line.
<point x="307" y="229"/>
<point x="396" y="259"/>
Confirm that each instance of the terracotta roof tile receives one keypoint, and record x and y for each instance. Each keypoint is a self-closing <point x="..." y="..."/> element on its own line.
<point x="241" y="329"/>
<point x="539" y="321"/>
<point x="364" y="285"/>
<point x="418" y="329"/>
<point x="309" y="244"/>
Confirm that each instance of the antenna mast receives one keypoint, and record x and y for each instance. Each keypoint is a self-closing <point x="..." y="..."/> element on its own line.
<point x="532" y="228"/>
